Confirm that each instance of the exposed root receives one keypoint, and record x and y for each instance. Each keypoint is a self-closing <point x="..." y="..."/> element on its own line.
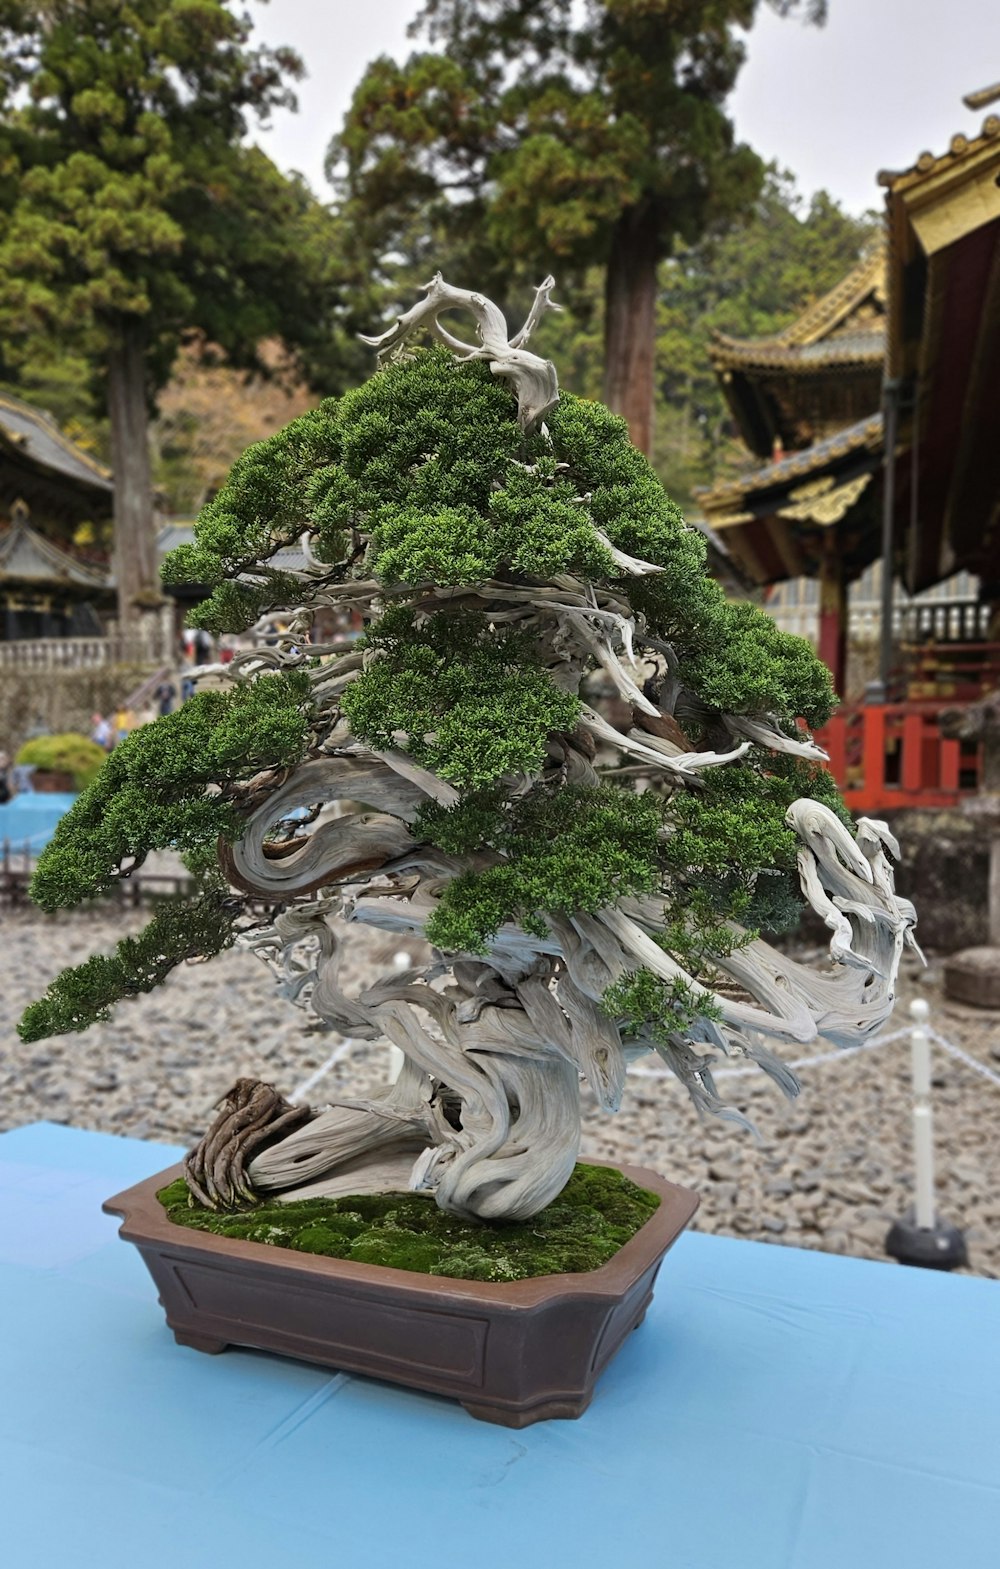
<point x="250" y="1115"/>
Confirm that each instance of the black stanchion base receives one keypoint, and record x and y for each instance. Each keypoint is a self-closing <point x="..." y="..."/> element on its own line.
<point x="941" y="1246"/>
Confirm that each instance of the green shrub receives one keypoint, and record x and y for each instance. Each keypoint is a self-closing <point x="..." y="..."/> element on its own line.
<point x="65" y="754"/>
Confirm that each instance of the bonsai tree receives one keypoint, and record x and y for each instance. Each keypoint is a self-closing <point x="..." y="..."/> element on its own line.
<point x="451" y="777"/>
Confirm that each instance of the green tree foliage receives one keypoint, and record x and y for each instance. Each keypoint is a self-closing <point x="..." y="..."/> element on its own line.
<point x="181" y="929"/>
<point x="70" y="754"/>
<point x="160" y="787"/>
<point x="558" y="136"/>
<point x="166" y="786"/>
<point x="134" y="212"/>
<point x="469" y="705"/>
<point x="563" y="851"/>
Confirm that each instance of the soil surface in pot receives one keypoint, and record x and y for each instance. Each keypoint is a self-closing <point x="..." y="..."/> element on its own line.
<point x="597" y="1212"/>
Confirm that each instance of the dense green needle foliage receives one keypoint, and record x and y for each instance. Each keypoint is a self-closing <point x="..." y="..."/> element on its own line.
<point x="597" y="1212"/>
<point x="181" y="929"/>
<point x="71" y="754"/>
<point x="470" y="704"/>
<point x="646" y="1004"/>
<point x="564" y="851"/>
<point x="427" y="458"/>
<point x="728" y="871"/>
<point x="158" y="789"/>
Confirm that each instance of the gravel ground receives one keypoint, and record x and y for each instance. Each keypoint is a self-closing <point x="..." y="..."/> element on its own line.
<point x="830" y="1170"/>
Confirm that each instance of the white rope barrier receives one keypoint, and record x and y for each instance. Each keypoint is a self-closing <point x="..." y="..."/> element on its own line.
<point x="321" y="1072"/>
<point x="837" y="1055"/>
<point x="964" y="1058"/>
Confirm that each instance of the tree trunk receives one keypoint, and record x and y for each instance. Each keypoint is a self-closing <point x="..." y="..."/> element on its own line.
<point x="135" y="560"/>
<point x="630" y="322"/>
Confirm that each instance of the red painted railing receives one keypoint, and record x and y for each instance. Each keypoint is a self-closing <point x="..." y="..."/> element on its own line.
<point x="888" y="756"/>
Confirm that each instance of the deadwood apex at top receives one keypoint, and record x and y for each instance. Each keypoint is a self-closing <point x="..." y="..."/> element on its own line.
<point x="535" y="380"/>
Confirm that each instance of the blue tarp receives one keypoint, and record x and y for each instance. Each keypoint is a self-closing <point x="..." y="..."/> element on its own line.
<point x="30" y="818"/>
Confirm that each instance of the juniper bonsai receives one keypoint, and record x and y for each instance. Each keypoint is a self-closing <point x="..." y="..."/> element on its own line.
<point x="504" y="544"/>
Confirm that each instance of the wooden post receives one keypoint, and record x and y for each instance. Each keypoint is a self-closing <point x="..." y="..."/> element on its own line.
<point x="991" y="792"/>
<point x="890" y="395"/>
<point x="833" y="613"/>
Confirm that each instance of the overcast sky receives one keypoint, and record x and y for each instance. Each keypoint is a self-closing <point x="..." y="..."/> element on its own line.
<point x="880" y="83"/>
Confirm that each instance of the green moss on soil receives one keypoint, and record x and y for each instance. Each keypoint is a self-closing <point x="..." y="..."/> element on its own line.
<point x="597" y="1212"/>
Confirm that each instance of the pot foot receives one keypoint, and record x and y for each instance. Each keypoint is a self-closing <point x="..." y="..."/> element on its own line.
<point x="206" y="1343"/>
<point x="568" y="1407"/>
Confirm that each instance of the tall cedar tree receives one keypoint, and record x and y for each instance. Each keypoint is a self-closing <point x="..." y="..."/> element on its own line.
<point x="133" y="213"/>
<point x="565" y="136"/>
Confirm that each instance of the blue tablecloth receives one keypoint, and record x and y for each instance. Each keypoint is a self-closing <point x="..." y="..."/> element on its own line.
<point x="30" y="818"/>
<point x="778" y="1410"/>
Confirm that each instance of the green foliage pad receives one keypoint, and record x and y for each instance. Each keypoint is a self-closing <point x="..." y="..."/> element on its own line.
<point x="597" y="1212"/>
<point x="159" y="790"/>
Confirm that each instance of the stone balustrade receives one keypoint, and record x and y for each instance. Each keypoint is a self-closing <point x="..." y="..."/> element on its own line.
<point x="76" y="653"/>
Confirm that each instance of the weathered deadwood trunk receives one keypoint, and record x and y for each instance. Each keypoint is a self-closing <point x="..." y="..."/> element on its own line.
<point x="630" y="322"/>
<point x="136" y="566"/>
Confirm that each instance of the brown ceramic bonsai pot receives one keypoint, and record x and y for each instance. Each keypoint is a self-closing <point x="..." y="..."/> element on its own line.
<point x="511" y="1352"/>
<point x="52" y="781"/>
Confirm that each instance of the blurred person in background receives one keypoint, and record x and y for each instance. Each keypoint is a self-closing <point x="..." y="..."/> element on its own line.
<point x="124" y="722"/>
<point x="165" y="694"/>
<point x="101" y="732"/>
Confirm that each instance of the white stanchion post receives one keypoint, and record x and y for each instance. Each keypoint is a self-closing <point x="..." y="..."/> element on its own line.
<point x="400" y="961"/>
<point x="920" y="1237"/>
<point x="923" y="1115"/>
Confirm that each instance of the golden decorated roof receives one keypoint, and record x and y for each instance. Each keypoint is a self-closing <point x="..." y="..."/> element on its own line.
<point x="961" y="148"/>
<point x="845" y="326"/>
<point x="26" y="556"/>
<point x="787" y="471"/>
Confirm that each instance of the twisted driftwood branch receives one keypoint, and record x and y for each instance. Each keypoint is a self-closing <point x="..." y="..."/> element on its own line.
<point x="513" y="1032"/>
<point x="534" y="379"/>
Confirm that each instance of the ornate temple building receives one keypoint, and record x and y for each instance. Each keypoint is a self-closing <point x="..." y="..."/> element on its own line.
<point x="808" y="400"/>
<point x="819" y="376"/>
<point x="873" y="449"/>
<point x="48" y="488"/>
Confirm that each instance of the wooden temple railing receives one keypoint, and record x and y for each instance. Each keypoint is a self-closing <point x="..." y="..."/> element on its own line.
<point x="888" y="756"/>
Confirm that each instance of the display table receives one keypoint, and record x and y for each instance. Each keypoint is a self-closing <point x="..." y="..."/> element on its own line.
<point x="777" y="1410"/>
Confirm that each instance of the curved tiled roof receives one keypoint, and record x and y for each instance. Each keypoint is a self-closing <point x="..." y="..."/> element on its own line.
<point x="809" y="340"/>
<point x="29" y="557"/>
<point x="798" y="465"/>
<point x="36" y="435"/>
<point x="847" y="350"/>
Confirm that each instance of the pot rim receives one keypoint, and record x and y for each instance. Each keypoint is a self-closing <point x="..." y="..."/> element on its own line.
<point x="145" y="1223"/>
